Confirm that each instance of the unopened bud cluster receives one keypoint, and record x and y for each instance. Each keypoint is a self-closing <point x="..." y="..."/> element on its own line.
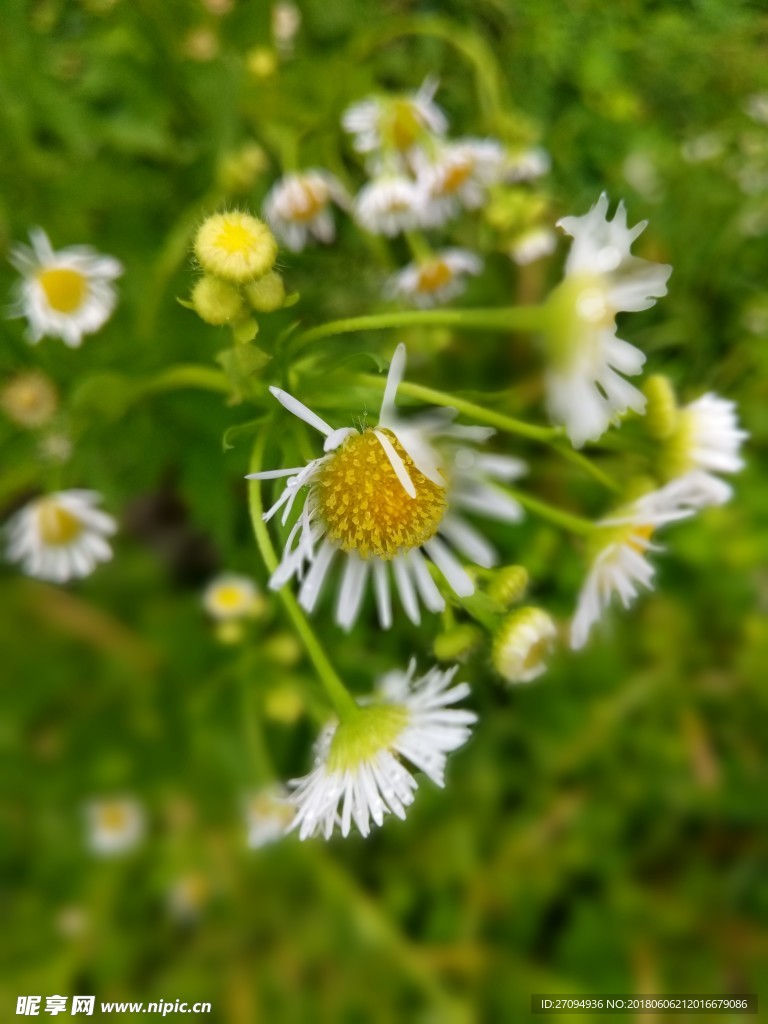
<point x="237" y="254"/>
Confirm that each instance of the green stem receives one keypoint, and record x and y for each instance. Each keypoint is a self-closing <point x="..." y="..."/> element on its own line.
<point x="567" y="520"/>
<point x="184" y="375"/>
<point x="512" y="318"/>
<point x="477" y="412"/>
<point x="340" y="697"/>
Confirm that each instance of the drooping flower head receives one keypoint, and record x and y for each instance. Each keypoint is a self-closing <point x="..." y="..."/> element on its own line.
<point x="385" y="499"/>
<point x="63" y="294"/>
<point x="395" y="124"/>
<point x="621" y="544"/>
<point x="298" y="207"/>
<point x="60" y="536"/>
<point x="359" y="775"/>
<point x="114" y="825"/>
<point x="588" y="363"/>
<point x="707" y="438"/>
<point x="438" y="278"/>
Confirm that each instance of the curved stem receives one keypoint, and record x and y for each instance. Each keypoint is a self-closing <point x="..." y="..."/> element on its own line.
<point x="558" y="516"/>
<point x="185" y="375"/>
<point x="340" y="697"/>
<point x="521" y="318"/>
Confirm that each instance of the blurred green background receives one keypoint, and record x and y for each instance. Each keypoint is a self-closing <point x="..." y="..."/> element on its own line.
<point x="605" y="830"/>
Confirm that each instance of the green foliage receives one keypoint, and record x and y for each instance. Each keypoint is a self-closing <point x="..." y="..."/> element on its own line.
<point x="605" y="828"/>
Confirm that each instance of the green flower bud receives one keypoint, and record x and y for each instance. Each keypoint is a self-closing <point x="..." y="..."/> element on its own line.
<point x="267" y="294"/>
<point x="457" y="643"/>
<point x="661" y="411"/>
<point x="217" y="302"/>
<point x="508" y="585"/>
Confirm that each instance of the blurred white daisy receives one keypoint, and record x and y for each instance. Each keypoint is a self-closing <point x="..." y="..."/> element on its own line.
<point x="64" y="294"/>
<point x="382" y="499"/>
<point x="390" y="204"/>
<point x="708" y="438"/>
<point x="522" y="644"/>
<point x="268" y="813"/>
<point x="527" y="164"/>
<point x="395" y="123"/>
<point x="438" y="278"/>
<point x="298" y="207"/>
<point x="620" y="566"/>
<point x="114" y="825"/>
<point x="359" y="777"/>
<point x="457" y="175"/>
<point x="586" y="389"/>
<point x="230" y="596"/>
<point x="60" y="536"/>
<point x="532" y="245"/>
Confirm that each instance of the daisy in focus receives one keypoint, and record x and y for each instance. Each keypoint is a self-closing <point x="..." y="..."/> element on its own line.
<point x="298" y="207"/>
<point x="588" y="363"/>
<point x="65" y="294"/>
<point x="268" y="813"/>
<point x="387" y="500"/>
<point x="358" y="775"/>
<point x="114" y="826"/>
<point x="437" y="279"/>
<point x="620" y="566"/>
<point x="60" y="536"/>
<point x="395" y="123"/>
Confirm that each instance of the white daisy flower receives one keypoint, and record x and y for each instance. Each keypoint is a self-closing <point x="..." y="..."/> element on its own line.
<point x="268" y="814"/>
<point x="230" y="596"/>
<point x="708" y="439"/>
<point x="358" y="774"/>
<point x="620" y="565"/>
<point x="458" y="175"/>
<point x="390" y="204"/>
<point x="298" y="207"/>
<point x="532" y="245"/>
<point x="434" y="280"/>
<point x="114" y="825"/>
<point x="64" y="294"/>
<point x="60" y="536"/>
<point x="527" y="164"/>
<point x="522" y="644"/>
<point x="382" y="499"/>
<point x="395" y="123"/>
<point x="585" y="383"/>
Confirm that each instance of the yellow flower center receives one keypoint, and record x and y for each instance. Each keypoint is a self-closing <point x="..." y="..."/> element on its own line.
<point x="57" y="525"/>
<point x="402" y="126"/>
<point x="433" y="276"/>
<point x="638" y="534"/>
<point x="229" y="597"/>
<point x="365" y="507"/>
<point x="455" y="176"/>
<point x="310" y="201"/>
<point x="234" y="237"/>
<point x="65" y="288"/>
<point x="113" y="817"/>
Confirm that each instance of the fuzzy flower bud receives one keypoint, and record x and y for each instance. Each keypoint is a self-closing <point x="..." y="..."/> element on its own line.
<point x="216" y="301"/>
<point x="235" y="247"/>
<point x="522" y="643"/>
<point x="661" y="410"/>
<point x="267" y="294"/>
<point x="457" y="643"/>
<point x="508" y="585"/>
<point x="29" y="400"/>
